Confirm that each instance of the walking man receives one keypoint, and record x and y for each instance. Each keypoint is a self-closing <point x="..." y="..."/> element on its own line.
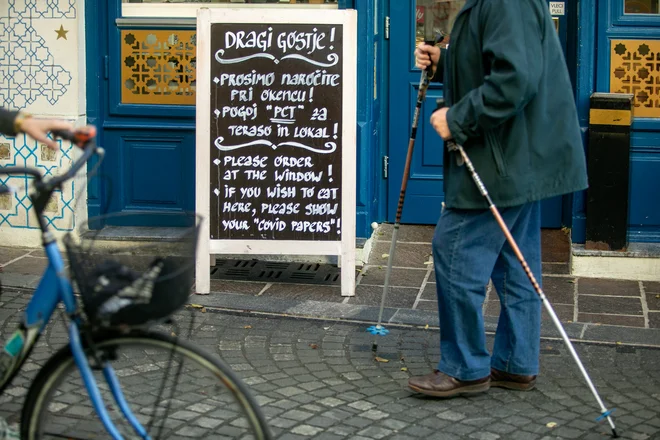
<point x="510" y="105"/>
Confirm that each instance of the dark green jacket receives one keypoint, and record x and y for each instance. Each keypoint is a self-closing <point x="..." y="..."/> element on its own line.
<point x="7" y="118"/>
<point x="511" y="106"/>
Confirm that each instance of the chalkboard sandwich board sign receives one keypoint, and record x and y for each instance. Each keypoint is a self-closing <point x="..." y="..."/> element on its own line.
<point x="275" y="127"/>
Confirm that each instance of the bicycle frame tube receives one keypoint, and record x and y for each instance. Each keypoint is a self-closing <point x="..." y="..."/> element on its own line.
<point x="53" y="288"/>
<point x="65" y="288"/>
<point x="90" y="383"/>
<point x="115" y="387"/>
<point x="66" y="295"/>
<point x="93" y="391"/>
<point x="37" y="314"/>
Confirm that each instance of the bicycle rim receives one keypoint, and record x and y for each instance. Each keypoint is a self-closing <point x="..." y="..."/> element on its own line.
<point x="173" y="388"/>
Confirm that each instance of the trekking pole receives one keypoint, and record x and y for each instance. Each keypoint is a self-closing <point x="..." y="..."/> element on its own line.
<point x="452" y="146"/>
<point x="379" y="329"/>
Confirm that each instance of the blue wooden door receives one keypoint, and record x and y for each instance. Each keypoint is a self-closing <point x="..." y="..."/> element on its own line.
<point x="141" y="97"/>
<point x="424" y="193"/>
<point x="628" y="61"/>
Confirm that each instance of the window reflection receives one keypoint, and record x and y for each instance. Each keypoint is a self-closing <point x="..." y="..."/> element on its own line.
<point x="188" y="8"/>
<point x="439" y="14"/>
<point x="641" y="7"/>
<point x="288" y="2"/>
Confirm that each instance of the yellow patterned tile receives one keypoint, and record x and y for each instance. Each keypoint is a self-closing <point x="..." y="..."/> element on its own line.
<point x="47" y="154"/>
<point x="5" y="202"/>
<point x="5" y="151"/>
<point x="635" y="69"/>
<point x="52" y="205"/>
<point x="158" y="67"/>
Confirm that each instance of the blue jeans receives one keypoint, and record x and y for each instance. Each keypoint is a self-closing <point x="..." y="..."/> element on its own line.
<point x="469" y="248"/>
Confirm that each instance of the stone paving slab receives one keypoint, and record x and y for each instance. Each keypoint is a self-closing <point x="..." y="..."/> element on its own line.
<point x="582" y="304"/>
<point x="412" y="306"/>
<point x="318" y="379"/>
<point x="401" y="317"/>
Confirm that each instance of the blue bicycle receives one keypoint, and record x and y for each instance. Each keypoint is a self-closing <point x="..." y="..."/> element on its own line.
<point x="119" y="377"/>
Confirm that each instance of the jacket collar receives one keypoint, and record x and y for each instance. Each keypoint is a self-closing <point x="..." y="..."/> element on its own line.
<point x="469" y="4"/>
<point x="458" y="22"/>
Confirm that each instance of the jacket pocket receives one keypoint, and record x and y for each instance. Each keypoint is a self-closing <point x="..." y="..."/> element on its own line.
<point x="498" y="155"/>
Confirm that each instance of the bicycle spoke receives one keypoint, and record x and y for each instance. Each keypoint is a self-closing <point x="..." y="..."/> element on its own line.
<point x="172" y="391"/>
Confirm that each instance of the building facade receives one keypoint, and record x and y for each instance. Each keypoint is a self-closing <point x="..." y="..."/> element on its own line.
<point x="129" y="68"/>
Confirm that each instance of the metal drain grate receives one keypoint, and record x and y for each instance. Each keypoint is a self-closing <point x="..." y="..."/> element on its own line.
<point x="270" y="271"/>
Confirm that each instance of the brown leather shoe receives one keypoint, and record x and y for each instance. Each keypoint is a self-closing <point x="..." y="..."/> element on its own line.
<point x="511" y="381"/>
<point x="438" y="384"/>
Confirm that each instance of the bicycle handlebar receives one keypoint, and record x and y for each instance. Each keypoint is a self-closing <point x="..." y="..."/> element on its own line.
<point x="22" y="170"/>
<point x="81" y="137"/>
<point x="84" y="139"/>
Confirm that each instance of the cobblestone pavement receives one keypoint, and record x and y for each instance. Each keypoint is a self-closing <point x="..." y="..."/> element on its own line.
<point x="319" y="379"/>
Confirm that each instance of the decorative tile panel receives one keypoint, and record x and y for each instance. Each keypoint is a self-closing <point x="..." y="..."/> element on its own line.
<point x="158" y="67"/>
<point x="18" y="212"/>
<point x="5" y="202"/>
<point x="635" y="69"/>
<point x="5" y="151"/>
<point x="31" y="75"/>
<point x="29" y="72"/>
<point x="47" y="154"/>
<point x="52" y="205"/>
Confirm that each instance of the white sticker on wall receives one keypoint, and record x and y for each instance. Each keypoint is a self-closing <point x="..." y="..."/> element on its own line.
<point x="556" y="8"/>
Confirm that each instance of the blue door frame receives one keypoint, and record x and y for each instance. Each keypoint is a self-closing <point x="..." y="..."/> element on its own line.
<point x="149" y="164"/>
<point x="424" y="193"/>
<point x="96" y="32"/>
<point x="372" y="105"/>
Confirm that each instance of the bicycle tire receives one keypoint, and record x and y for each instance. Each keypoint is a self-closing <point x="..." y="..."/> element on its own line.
<point x="60" y="362"/>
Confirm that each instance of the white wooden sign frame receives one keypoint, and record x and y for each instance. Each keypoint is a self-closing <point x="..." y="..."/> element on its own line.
<point x="345" y="248"/>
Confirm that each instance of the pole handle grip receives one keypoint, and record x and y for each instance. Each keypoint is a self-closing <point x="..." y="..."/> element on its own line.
<point x="451" y="144"/>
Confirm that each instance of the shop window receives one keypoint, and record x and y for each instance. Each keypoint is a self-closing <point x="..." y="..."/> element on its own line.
<point x="440" y="14"/>
<point x="158" y="66"/>
<point x="635" y="69"/>
<point x="641" y="7"/>
<point x="187" y="8"/>
<point x="232" y="1"/>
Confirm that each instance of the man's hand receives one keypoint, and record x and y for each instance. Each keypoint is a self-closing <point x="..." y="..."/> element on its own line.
<point x="439" y="122"/>
<point x="425" y="55"/>
<point x="38" y="129"/>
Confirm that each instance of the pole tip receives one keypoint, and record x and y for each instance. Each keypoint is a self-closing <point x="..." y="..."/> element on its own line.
<point x="374" y="347"/>
<point x="614" y="434"/>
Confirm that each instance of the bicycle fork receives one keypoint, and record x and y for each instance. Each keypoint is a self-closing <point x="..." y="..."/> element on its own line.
<point x="93" y="390"/>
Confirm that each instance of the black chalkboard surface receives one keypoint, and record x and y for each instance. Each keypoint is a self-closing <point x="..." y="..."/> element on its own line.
<point x="276" y="124"/>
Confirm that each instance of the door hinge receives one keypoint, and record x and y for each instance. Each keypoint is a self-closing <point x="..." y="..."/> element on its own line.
<point x="386" y="166"/>
<point x="106" y="67"/>
<point x="387" y="27"/>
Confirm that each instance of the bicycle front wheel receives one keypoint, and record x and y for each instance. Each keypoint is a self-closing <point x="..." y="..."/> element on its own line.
<point x="173" y="388"/>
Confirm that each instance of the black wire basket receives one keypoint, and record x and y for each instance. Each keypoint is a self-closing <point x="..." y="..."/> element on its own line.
<point x="133" y="275"/>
